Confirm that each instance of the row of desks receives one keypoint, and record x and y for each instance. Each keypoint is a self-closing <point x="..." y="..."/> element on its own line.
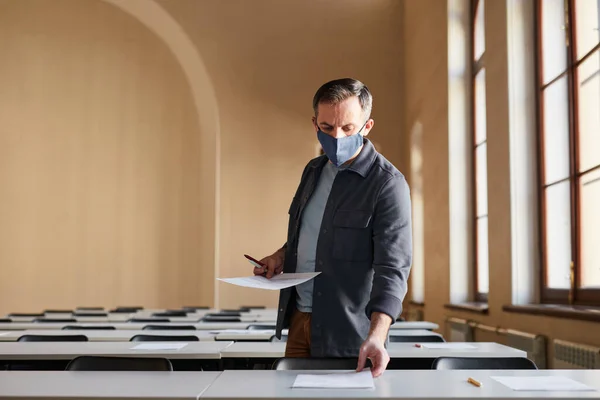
<point x="423" y="385"/>
<point x="207" y="326"/>
<point x="125" y="335"/>
<point x="101" y="317"/>
<point x="120" y="318"/>
<point x="217" y="350"/>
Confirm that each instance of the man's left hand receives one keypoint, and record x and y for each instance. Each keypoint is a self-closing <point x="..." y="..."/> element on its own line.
<point x="373" y="349"/>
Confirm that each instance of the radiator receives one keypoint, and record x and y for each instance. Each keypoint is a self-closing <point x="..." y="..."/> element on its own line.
<point x="569" y="355"/>
<point x="534" y="345"/>
<point x="459" y="330"/>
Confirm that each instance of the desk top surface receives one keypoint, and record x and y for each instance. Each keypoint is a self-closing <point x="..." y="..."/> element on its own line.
<point x="104" y="385"/>
<point x="106" y="335"/>
<point x="206" y="326"/>
<point x="395" y="350"/>
<point x="412" y="332"/>
<point x="414" y="325"/>
<point x="211" y="326"/>
<point x="124" y="335"/>
<point x="70" y="350"/>
<point x="250" y="316"/>
<point x="405" y="384"/>
<point x="237" y="384"/>
<point x="119" y="318"/>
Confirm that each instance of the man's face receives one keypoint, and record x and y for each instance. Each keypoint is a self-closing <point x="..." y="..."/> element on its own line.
<point x="342" y="119"/>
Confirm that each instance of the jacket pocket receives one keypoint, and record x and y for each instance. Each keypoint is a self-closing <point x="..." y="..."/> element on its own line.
<point x="352" y="235"/>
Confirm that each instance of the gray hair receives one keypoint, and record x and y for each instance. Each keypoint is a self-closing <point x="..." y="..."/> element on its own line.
<point x="334" y="92"/>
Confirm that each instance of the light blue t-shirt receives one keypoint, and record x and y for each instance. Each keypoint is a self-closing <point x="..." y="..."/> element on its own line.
<point x="310" y="226"/>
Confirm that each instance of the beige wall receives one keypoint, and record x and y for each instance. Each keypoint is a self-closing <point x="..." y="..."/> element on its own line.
<point x="266" y="59"/>
<point x="426" y="82"/>
<point x="106" y="182"/>
<point x="99" y="163"/>
<point x="426" y="94"/>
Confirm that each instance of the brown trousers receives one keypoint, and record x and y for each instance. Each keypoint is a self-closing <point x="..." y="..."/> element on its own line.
<point x="298" y="342"/>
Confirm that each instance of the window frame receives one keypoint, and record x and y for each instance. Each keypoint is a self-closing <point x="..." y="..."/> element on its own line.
<point x="476" y="66"/>
<point x="575" y="295"/>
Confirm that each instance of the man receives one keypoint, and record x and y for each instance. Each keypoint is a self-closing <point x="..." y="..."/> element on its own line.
<point x="349" y="220"/>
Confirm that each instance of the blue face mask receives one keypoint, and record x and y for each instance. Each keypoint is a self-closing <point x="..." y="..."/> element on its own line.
<point x="340" y="150"/>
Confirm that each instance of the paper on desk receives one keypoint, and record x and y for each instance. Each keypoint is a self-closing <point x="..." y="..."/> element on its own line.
<point x="247" y="331"/>
<point x="277" y="282"/>
<point x="458" y="346"/>
<point x="542" y="383"/>
<point x="159" y="346"/>
<point x="342" y="380"/>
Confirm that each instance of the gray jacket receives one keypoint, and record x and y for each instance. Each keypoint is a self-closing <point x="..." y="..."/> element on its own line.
<point x="364" y="252"/>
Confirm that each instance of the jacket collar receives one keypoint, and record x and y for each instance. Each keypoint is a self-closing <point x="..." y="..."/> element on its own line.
<point x="361" y="164"/>
<point x="364" y="161"/>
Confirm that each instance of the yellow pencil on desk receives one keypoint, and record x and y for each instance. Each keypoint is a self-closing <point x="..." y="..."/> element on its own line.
<point x="474" y="382"/>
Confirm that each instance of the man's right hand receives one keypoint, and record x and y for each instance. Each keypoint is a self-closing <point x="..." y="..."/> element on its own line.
<point x="273" y="264"/>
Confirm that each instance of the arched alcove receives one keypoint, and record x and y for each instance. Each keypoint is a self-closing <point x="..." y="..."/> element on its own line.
<point x="108" y="158"/>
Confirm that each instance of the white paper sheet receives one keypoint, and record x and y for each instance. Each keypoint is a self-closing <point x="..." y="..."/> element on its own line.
<point x="159" y="346"/>
<point x="277" y="282"/>
<point x="247" y="331"/>
<point x="458" y="346"/>
<point x="542" y="383"/>
<point x="342" y="380"/>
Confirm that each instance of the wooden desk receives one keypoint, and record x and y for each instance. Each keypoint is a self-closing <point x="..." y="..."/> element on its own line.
<point x="61" y="385"/>
<point x="405" y="385"/>
<point x="106" y="335"/>
<point x="10" y="351"/>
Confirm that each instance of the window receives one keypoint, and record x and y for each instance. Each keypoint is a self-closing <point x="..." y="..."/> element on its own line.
<point x="417" y="273"/>
<point x="569" y="143"/>
<point x="479" y="153"/>
<point x="460" y="148"/>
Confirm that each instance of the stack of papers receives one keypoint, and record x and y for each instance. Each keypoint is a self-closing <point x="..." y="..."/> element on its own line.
<point x="542" y="383"/>
<point x="159" y="346"/>
<point x="278" y="282"/>
<point x="343" y="380"/>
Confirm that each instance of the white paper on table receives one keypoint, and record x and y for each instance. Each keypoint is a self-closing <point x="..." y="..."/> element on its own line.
<point x="247" y="331"/>
<point x="277" y="282"/>
<point x="342" y="380"/>
<point x="542" y="383"/>
<point x="458" y="346"/>
<point x="159" y="346"/>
